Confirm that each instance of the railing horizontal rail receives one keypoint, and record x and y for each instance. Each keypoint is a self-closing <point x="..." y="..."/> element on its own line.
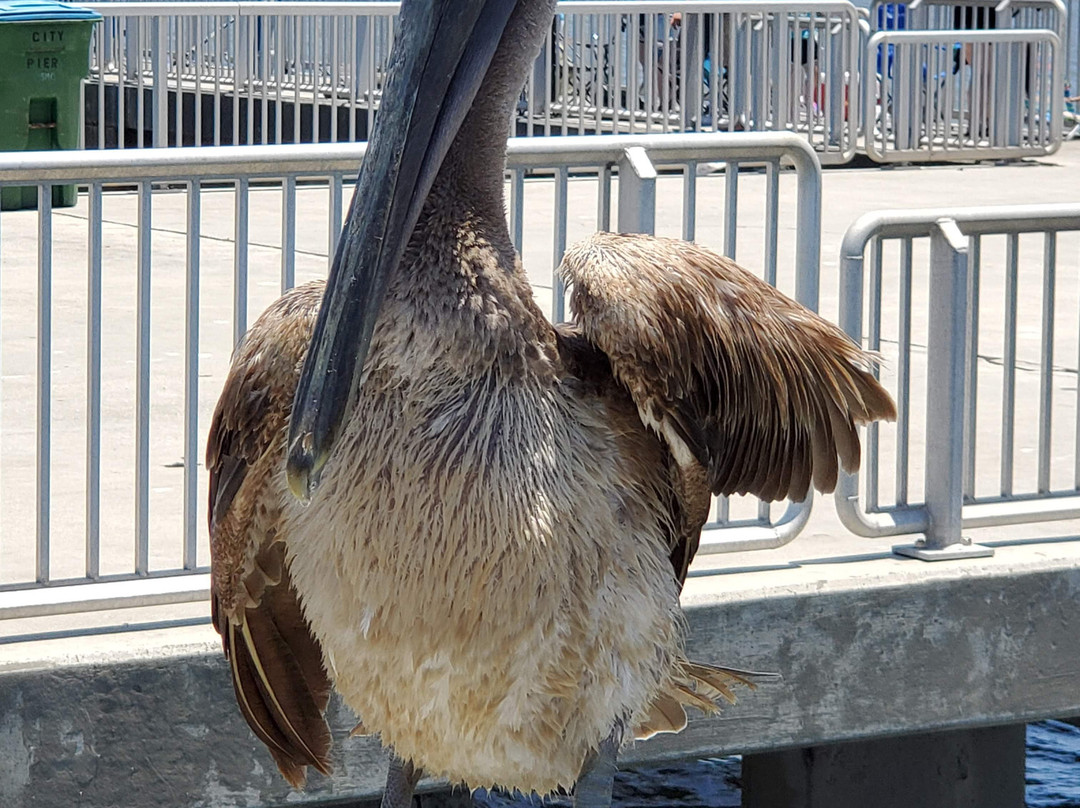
<point x="226" y="232"/>
<point x="157" y="590"/>
<point x="278" y="160"/>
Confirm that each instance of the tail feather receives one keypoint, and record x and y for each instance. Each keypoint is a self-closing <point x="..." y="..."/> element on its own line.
<point x="665" y="715"/>
<point x="700" y="686"/>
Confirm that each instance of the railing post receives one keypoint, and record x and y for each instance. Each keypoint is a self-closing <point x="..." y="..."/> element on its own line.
<point x="946" y="382"/>
<point x="637" y="192"/>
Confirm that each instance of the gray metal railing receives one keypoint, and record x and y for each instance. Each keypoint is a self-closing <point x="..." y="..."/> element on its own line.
<point x="981" y="370"/>
<point x="113" y="513"/>
<point x="191" y="73"/>
<point x="941" y="15"/>
<point x="951" y="95"/>
<point x="195" y="73"/>
<point x="725" y="66"/>
<point x="254" y="72"/>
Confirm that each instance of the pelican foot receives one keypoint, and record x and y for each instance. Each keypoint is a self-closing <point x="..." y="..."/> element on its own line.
<point x="401" y="780"/>
<point x="593" y="786"/>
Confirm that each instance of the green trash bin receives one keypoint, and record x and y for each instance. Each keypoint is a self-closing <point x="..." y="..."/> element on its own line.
<point x="44" y="56"/>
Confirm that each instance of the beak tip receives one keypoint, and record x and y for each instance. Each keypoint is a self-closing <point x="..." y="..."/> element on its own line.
<point x="302" y="469"/>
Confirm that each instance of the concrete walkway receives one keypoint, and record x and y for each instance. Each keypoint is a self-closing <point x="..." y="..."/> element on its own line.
<point x="768" y="610"/>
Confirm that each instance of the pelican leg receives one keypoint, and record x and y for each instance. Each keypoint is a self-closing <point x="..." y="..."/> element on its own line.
<point x="401" y="779"/>
<point x="593" y="786"/>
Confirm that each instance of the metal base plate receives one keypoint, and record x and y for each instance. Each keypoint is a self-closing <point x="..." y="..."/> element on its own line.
<point x="965" y="549"/>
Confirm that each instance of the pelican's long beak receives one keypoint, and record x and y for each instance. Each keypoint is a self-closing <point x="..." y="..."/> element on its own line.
<point x="442" y="53"/>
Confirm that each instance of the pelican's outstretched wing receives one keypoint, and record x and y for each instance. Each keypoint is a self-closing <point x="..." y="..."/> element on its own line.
<point x="758" y="390"/>
<point x="276" y="663"/>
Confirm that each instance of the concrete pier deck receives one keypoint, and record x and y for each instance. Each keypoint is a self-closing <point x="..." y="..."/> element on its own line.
<point x="868" y="645"/>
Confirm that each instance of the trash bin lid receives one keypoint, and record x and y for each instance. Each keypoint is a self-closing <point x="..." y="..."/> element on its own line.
<point x="31" y="10"/>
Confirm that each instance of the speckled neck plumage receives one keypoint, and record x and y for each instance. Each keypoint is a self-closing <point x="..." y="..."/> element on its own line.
<point x="461" y="274"/>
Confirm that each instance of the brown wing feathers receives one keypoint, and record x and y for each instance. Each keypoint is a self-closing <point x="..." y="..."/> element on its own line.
<point x="275" y="661"/>
<point x="763" y="393"/>
<point x="279" y="682"/>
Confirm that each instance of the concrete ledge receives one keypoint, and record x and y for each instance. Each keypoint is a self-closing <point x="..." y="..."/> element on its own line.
<point x="867" y="649"/>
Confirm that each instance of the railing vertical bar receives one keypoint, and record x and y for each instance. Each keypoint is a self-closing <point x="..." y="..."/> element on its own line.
<point x="240" y="261"/>
<point x="99" y="35"/>
<point x="219" y="46"/>
<point x="93" y="383"/>
<point x="44" y="381"/>
<point x="297" y="69"/>
<point x="558" y="291"/>
<point x="351" y="36"/>
<point x="279" y="75"/>
<point x="288" y="234"/>
<point x="950" y="103"/>
<point x="617" y="84"/>
<point x="191" y="376"/>
<point x="142" y="390"/>
<point x="582" y="73"/>
<point x="263" y="68"/>
<point x="738" y="106"/>
<point x="334" y="79"/>
<point x="663" y="94"/>
<point x="965" y="112"/>
<point x="971" y="416"/>
<point x="731" y="207"/>
<point x="238" y="56"/>
<point x="250" y="68"/>
<point x="1008" y="393"/>
<point x="772" y="219"/>
<point x="1076" y="439"/>
<point x="198" y="91"/>
<point x="517" y="207"/>
<point x="602" y="83"/>
<point x="689" y="223"/>
<point x="764" y="509"/>
<point x="181" y="50"/>
<point x="632" y="80"/>
<point x="1046" y="370"/>
<point x="368" y="67"/>
<point x="776" y="78"/>
<point x="315" y="81"/>
<point x="139" y="83"/>
<point x="564" y="83"/>
<point x="603" y="199"/>
<point x="159" y="89"/>
<point x="715" y="91"/>
<point x="650" y="70"/>
<point x="903" y="374"/>
<point x="334" y="230"/>
<point x="873" y="334"/>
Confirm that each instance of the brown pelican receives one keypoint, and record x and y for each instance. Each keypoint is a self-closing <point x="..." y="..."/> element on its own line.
<point x="472" y="524"/>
